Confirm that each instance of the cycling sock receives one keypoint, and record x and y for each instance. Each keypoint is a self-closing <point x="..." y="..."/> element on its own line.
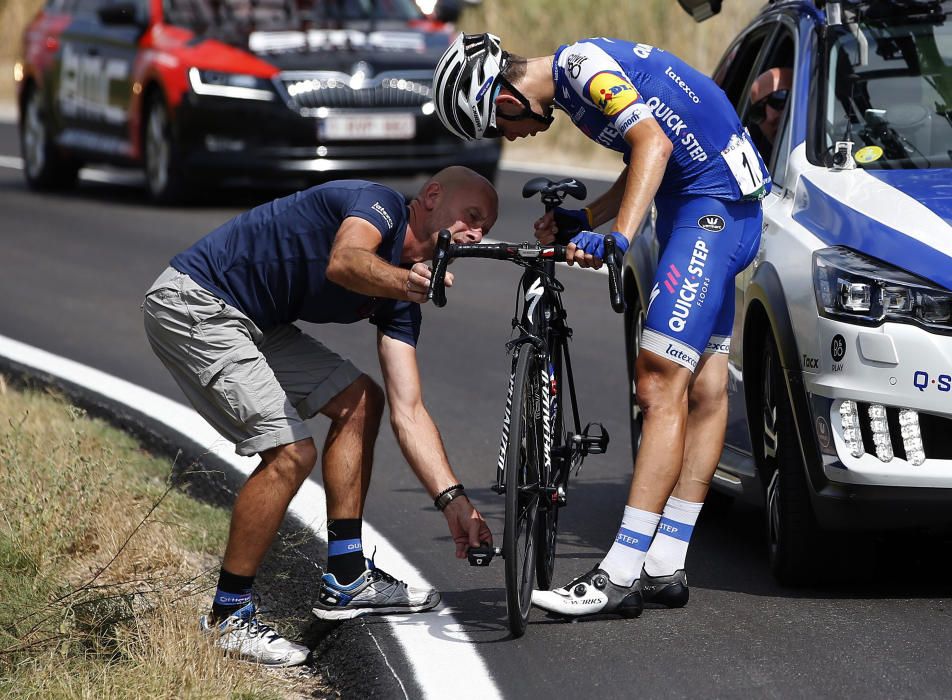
<point x="626" y="556"/>
<point x="233" y="593"/>
<point x="670" y="546"/>
<point x="345" y="551"/>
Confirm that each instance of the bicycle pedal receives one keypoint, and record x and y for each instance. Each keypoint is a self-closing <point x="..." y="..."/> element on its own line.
<point x="593" y="444"/>
<point x="482" y="555"/>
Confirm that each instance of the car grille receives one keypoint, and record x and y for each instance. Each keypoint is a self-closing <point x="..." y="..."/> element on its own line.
<point x="310" y="91"/>
<point x="931" y="430"/>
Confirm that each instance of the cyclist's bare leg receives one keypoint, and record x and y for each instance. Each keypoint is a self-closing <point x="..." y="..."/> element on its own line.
<point x="262" y="503"/>
<point x="347" y="461"/>
<point x="707" y="422"/>
<point x="663" y="397"/>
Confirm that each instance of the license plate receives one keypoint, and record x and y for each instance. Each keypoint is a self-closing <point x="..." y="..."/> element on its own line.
<point x="380" y="127"/>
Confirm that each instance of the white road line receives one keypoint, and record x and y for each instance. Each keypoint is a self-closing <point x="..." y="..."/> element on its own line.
<point x="437" y="647"/>
<point x="90" y="174"/>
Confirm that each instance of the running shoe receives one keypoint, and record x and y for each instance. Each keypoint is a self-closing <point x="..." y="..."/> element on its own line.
<point x="244" y="635"/>
<point x="591" y="594"/>
<point x="375" y="592"/>
<point x="670" y="591"/>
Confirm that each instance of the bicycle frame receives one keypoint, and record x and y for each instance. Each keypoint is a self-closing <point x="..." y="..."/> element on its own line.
<point x="541" y="323"/>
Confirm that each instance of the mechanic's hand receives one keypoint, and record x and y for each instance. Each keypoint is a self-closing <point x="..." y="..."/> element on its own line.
<point x="588" y="248"/>
<point x="559" y="225"/>
<point x="466" y="525"/>
<point x="418" y="282"/>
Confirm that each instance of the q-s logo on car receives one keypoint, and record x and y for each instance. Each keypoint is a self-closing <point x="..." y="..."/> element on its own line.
<point x="611" y="93"/>
<point x="923" y="380"/>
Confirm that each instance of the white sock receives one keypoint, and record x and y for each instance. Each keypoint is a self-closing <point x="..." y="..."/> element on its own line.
<point x="626" y="556"/>
<point x="669" y="548"/>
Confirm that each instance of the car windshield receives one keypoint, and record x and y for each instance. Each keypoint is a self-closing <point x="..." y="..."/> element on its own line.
<point x="202" y="16"/>
<point x="887" y="86"/>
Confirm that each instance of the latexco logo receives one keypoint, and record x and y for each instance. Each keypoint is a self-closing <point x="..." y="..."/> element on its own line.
<point x="378" y="207"/>
<point x="712" y="223"/>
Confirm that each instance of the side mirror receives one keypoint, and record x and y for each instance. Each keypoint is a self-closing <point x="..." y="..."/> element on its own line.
<point x="447" y="11"/>
<point x="120" y="14"/>
<point x="701" y="10"/>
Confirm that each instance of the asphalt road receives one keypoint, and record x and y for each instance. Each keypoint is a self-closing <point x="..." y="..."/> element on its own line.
<point x="73" y="269"/>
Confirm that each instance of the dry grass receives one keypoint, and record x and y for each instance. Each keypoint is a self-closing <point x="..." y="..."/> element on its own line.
<point x="103" y="567"/>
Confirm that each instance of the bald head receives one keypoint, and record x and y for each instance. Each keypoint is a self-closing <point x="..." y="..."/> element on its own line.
<point x="457" y="199"/>
<point x="770" y="81"/>
<point x="456" y="177"/>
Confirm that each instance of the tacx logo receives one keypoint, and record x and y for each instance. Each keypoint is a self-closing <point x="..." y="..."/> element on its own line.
<point x="378" y="207"/>
<point x="712" y="223"/>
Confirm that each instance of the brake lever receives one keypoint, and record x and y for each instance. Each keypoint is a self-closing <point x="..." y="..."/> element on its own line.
<point x="614" y="287"/>
<point x="437" y="289"/>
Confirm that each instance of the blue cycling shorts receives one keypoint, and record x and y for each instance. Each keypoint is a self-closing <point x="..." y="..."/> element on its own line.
<point x="704" y="243"/>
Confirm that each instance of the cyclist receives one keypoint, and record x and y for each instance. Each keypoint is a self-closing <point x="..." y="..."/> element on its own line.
<point x="684" y="147"/>
<point x="220" y="319"/>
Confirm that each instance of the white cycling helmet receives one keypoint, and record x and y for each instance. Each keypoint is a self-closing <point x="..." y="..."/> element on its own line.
<point x="463" y="85"/>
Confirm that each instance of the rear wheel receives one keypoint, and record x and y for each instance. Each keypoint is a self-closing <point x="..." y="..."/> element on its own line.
<point x="792" y="534"/>
<point x="523" y="458"/>
<point x="44" y="167"/>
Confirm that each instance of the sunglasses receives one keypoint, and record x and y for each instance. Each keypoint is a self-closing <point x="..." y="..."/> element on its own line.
<point x="777" y="100"/>
<point x="492" y="131"/>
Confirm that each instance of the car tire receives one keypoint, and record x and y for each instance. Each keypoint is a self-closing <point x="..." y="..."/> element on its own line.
<point x="791" y="529"/>
<point x="164" y="173"/>
<point x="44" y="167"/>
<point x="634" y="325"/>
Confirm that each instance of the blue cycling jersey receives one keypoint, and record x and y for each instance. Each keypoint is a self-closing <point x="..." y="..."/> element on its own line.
<point x="607" y="86"/>
<point x="271" y="262"/>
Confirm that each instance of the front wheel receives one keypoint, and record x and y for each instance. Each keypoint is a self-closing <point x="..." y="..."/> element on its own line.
<point x="164" y="173"/>
<point x="792" y="533"/>
<point x="635" y="327"/>
<point x="522" y="469"/>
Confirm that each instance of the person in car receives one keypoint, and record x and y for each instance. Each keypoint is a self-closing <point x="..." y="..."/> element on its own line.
<point x="221" y="319"/>
<point x="686" y="149"/>
<point x="768" y="97"/>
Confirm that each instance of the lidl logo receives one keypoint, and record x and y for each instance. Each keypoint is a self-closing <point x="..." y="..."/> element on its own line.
<point x="611" y="93"/>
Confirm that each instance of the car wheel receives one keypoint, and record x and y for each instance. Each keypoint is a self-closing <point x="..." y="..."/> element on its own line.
<point x="792" y="533"/>
<point x="164" y="174"/>
<point x="635" y="325"/>
<point x="43" y="165"/>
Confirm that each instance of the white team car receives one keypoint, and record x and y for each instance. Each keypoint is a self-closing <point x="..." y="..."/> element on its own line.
<point x="840" y="387"/>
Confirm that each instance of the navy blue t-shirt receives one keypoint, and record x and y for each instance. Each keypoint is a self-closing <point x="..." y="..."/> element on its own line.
<point x="271" y="261"/>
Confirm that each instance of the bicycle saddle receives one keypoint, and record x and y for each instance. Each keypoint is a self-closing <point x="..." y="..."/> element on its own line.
<point x="560" y="189"/>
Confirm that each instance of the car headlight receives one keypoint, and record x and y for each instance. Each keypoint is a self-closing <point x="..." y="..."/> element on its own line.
<point x="237" y="85"/>
<point x="853" y="287"/>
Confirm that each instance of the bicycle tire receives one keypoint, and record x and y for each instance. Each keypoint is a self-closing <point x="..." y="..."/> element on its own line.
<point x="523" y="454"/>
<point x="548" y="525"/>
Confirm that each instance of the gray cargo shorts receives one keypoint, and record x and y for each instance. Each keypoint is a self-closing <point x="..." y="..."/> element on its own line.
<point x="255" y="388"/>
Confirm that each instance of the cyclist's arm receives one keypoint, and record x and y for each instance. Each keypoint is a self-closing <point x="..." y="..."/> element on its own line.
<point x="650" y="150"/>
<point x="605" y="208"/>
<point x="420" y="440"/>
<point x="355" y="265"/>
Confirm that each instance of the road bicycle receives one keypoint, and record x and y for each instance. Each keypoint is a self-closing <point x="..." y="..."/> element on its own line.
<point x="537" y="450"/>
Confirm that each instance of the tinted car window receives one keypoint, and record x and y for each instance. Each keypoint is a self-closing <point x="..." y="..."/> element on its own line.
<point x="887" y="88"/>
